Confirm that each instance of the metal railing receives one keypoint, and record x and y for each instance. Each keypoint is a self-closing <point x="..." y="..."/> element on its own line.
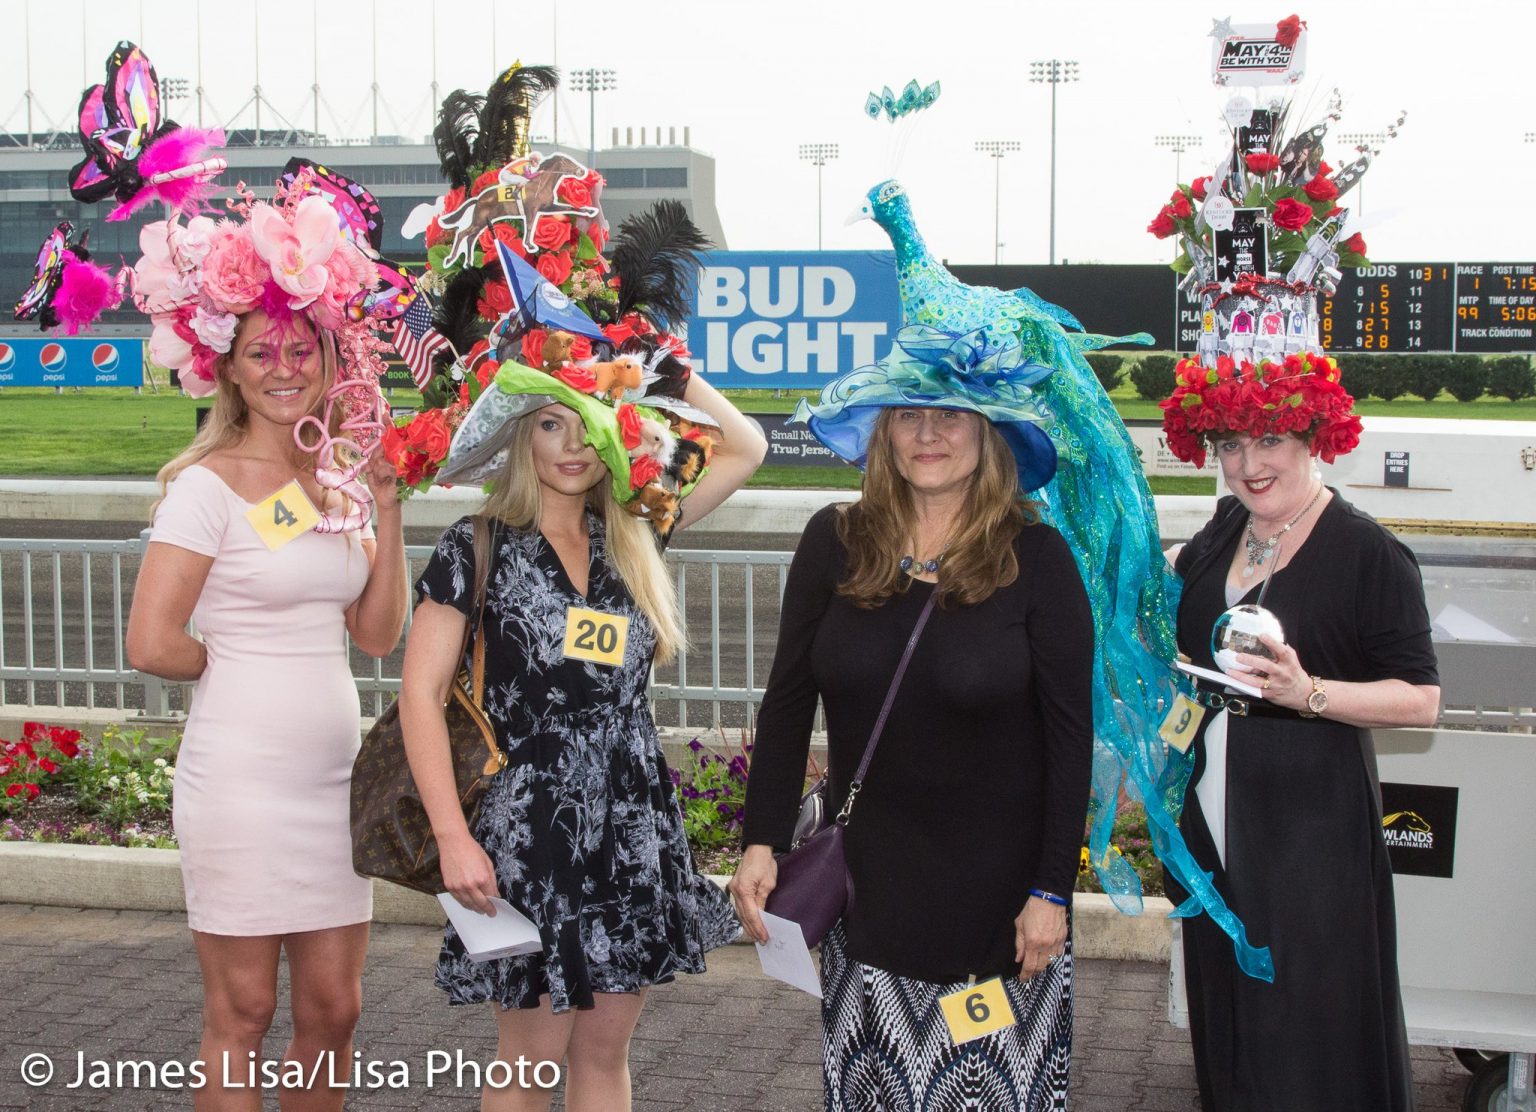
<point x="64" y="607"/>
<point x="64" y="613"/>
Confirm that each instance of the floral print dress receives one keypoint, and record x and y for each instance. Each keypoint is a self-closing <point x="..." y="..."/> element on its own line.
<point x="583" y="825"/>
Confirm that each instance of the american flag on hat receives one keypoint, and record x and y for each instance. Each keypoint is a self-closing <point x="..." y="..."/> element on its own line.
<point x="417" y="341"/>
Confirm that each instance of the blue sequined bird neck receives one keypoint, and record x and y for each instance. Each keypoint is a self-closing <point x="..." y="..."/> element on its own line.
<point x="919" y="276"/>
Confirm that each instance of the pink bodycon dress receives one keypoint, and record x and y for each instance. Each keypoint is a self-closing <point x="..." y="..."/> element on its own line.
<point x="262" y="779"/>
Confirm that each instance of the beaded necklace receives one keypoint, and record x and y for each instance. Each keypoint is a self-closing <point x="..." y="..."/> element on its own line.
<point x="1257" y="551"/>
<point x="914" y="567"/>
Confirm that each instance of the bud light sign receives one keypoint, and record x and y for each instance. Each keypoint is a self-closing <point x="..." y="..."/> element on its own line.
<point x="791" y="319"/>
<point x="83" y="362"/>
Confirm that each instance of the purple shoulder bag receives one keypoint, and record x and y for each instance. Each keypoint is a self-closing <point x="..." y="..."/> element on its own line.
<point x="814" y="888"/>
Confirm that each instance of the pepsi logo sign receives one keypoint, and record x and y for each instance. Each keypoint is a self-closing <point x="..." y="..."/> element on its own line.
<point x="105" y="358"/>
<point x="7" y="358"/>
<point x="53" y="357"/>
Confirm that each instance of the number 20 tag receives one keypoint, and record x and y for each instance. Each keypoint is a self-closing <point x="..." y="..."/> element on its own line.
<point x="977" y="1010"/>
<point x="595" y="636"/>
<point x="283" y="516"/>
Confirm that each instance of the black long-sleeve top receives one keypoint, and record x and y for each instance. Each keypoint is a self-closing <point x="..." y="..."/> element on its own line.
<point x="979" y="787"/>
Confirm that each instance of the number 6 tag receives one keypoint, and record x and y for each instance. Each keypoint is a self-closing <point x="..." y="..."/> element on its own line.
<point x="977" y="1010"/>
<point x="283" y="516"/>
<point x="595" y="636"/>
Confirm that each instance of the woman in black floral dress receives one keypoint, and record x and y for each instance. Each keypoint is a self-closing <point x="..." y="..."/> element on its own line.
<point x="582" y="831"/>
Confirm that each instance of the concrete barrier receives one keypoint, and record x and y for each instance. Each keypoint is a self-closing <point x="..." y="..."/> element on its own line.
<point x="150" y="880"/>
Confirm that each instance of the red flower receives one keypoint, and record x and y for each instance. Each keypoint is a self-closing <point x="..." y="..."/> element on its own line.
<point x="485" y="181"/>
<point x="533" y="347"/>
<point x="619" y="331"/>
<point x="555" y="266"/>
<point x="31" y="791"/>
<point x="1262" y="162"/>
<point x="574" y="192"/>
<point x="1162" y="225"/>
<point x="1179" y="205"/>
<point x="486" y="371"/>
<point x="47" y="766"/>
<point x="1288" y="30"/>
<point x="428" y="434"/>
<point x="1355" y="243"/>
<point x="6" y="764"/>
<point x="578" y="378"/>
<point x="581" y="348"/>
<point x="1198" y="187"/>
<point x="1321" y="189"/>
<point x="1291" y="214"/>
<point x="65" y="741"/>
<point x="598" y="235"/>
<point x="642" y="471"/>
<point x="551" y="233"/>
<point x="495" y="300"/>
<point x="629" y="426"/>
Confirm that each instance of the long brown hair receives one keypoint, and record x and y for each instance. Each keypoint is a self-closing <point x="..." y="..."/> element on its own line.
<point x="980" y="557"/>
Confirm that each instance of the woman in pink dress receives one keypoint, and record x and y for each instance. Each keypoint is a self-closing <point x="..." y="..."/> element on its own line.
<point x="271" y="558"/>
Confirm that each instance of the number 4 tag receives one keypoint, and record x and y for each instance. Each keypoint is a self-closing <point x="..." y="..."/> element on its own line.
<point x="977" y="1010"/>
<point x="283" y="516"/>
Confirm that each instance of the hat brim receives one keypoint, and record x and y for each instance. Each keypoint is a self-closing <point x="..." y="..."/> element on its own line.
<point x="847" y="434"/>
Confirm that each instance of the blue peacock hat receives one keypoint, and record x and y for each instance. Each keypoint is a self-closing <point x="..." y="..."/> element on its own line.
<point x="929" y="368"/>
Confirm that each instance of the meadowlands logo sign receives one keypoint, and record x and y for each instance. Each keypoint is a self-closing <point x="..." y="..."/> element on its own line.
<point x="66" y="362"/>
<point x="1418" y="823"/>
<point x="791" y="319"/>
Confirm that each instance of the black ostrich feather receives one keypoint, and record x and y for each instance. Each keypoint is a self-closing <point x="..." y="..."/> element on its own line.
<point x="655" y="256"/>
<point x="455" y="315"/>
<point x="509" y="104"/>
<point x="458" y="128"/>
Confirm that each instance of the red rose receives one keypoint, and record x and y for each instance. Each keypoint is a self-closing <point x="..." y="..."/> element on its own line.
<point x="618" y="332"/>
<point x="495" y="300"/>
<point x="593" y="180"/>
<point x="629" y="426"/>
<point x="1288" y="30"/>
<point x="485" y="181"/>
<point x="1321" y="189"/>
<point x="555" y="266"/>
<point x="551" y="234"/>
<point x="428" y="434"/>
<point x="1179" y="206"/>
<point x="1291" y="214"/>
<point x="392" y="445"/>
<point x="486" y="371"/>
<point x="598" y="235"/>
<point x="575" y="193"/>
<point x="581" y="348"/>
<point x="1198" y="187"/>
<point x="578" y="378"/>
<point x="1162" y="225"/>
<point x="642" y="471"/>
<point x="533" y="347"/>
<point x="1355" y="243"/>
<point x="1262" y="162"/>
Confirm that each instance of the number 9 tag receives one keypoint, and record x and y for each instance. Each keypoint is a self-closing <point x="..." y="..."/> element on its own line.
<point x="284" y="516"/>
<point x="596" y="636"/>
<point x="1178" y="729"/>
<point x="977" y="1010"/>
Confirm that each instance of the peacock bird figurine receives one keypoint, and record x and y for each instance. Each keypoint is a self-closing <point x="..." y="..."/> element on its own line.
<point x="1100" y="503"/>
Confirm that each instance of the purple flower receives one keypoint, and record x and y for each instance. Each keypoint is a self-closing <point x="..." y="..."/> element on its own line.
<point x="695" y="745"/>
<point x="725" y="809"/>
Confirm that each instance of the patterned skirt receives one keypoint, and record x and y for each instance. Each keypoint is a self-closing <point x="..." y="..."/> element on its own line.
<point x="885" y="1047"/>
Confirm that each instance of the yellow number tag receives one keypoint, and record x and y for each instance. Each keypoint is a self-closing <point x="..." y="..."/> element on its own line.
<point x="977" y="1010"/>
<point x="595" y="636"/>
<point x="1178" y="729"/>
<point x="283" y="516"/>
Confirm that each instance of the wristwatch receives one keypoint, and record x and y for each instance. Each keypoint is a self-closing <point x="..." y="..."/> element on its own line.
<point x="1317" y="702"/>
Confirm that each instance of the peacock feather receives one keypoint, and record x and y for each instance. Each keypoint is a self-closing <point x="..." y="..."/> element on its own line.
<point x="1100" y="503"/>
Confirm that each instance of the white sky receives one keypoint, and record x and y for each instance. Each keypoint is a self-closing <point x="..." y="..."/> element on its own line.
<point x="754" y="80"/>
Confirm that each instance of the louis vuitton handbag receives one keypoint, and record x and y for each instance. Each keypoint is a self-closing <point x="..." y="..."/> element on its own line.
<point x="391" y="834"/>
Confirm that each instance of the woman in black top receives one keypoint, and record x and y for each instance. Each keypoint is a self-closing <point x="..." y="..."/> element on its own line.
<point x="1286" y="809"/>
<point x="964" y="846"/>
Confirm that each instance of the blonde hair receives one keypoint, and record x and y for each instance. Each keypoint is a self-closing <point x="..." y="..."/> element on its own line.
<point x="516" y="499"/>
<point x="228" y="421"/>
<point x="980" y="557"/>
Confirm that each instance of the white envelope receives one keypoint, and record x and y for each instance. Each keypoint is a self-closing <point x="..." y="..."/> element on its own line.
<point x="486" y="937"/>
<point x="786" y="957"/>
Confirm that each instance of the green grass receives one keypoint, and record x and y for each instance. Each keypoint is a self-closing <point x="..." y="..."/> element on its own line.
<point x="107" y="432"/>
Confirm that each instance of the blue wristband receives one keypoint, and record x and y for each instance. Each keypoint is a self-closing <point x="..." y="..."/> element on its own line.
<point x="1048" y="897"/>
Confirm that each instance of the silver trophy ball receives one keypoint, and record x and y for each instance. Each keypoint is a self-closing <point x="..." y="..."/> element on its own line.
<point x="1238" y="631"/>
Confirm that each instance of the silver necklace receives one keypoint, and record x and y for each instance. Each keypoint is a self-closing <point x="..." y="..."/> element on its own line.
<point x="1257" y="551"/>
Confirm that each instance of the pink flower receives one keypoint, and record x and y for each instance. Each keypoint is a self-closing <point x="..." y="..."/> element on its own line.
<point x="297" y="252"/>
<point x="214" y="330"/>
<point x="167" y="346"/>
<point x="233" y="274"/>
<point x="154" y="270"/>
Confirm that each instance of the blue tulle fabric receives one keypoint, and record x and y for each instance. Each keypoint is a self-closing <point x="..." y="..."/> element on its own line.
<point x="1100" y="502"/>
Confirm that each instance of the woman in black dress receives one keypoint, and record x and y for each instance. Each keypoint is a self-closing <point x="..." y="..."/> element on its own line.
<point x="1285" y="808"/>
<point x="963" y="848"/>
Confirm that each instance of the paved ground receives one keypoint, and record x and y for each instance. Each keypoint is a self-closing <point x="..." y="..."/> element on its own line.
<point x="120" y="985"/>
